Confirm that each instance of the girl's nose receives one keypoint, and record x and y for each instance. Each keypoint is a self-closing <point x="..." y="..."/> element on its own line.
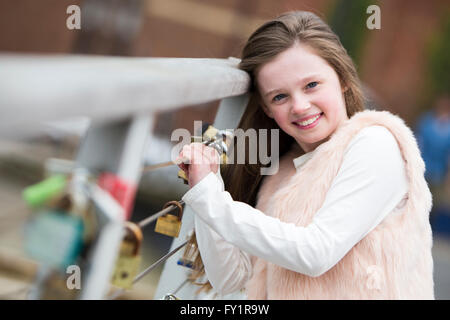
<point x="300" y="106"/>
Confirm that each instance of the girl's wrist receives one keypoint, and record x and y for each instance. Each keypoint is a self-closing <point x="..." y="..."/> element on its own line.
<point x="199" y="176"/>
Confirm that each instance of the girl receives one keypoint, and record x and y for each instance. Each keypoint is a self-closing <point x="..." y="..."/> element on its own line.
<point x="346" y="215"/>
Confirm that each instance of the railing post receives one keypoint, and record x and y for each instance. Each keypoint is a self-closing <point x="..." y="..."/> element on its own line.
<point x="118" y="149"/>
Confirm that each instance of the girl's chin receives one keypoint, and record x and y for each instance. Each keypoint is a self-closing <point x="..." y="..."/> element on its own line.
<point x="313" y="140"/>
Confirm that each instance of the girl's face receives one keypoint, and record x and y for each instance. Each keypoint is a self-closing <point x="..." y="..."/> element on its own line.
<point x="302" y="93"/>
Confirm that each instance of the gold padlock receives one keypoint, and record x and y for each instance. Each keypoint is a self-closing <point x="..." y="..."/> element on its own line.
<point x="221" y="140"/>
<point x="128" y="262"/>
<point x="169" y="224"/>
<point x="182" y="175"/>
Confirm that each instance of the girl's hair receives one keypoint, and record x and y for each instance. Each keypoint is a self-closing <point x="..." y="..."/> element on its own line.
<point x="243" y="181"/>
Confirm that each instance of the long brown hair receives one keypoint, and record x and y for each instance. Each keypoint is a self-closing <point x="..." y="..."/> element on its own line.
<point x="243" y="181"/>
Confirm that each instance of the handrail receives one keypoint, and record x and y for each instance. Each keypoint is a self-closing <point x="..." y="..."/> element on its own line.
<point x="40" y="88"/>
<point x="37" y="89"/>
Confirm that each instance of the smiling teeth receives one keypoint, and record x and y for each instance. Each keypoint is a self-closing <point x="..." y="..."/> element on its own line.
<point x="305" y="123"/>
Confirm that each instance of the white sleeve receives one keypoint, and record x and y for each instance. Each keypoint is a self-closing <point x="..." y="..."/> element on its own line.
<point x="370" y="183"/>
<point x="226" y="266"/>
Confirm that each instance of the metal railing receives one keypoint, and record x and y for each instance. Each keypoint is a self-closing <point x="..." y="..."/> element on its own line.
<point x="39" y="88"/>
<point x="120" y="96"/>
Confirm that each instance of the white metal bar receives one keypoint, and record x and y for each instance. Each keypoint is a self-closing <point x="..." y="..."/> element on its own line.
<point x="39" y="88"/>
<point x="102" y="258"/>
<point x="117" y="148"/>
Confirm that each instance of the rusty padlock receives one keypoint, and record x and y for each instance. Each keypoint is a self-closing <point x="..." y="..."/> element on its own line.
<point x="128" y="262"/>
<point x="170" y="224"/>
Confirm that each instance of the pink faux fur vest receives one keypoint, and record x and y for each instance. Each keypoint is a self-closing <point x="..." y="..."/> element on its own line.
<point x="393" y="261"/>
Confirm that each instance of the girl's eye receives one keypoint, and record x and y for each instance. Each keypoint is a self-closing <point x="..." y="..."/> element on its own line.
<point x="278" y="97"/>
<point x="312" y="85"/>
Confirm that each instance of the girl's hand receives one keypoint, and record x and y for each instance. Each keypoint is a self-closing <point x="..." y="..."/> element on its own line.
<point x="197" y="161"/>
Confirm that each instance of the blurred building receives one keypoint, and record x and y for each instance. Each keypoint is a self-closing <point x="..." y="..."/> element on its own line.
<point x="393" y="62"/>
<point x="403" y="65"/>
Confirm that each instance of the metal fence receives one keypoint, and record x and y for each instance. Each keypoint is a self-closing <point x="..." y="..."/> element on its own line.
<point x="120" y="95"/>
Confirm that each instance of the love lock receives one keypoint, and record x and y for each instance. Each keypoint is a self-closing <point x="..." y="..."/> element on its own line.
<point x="170" y="224"/>
<point x="218" y="139"/>
<point x="128" y="262"/>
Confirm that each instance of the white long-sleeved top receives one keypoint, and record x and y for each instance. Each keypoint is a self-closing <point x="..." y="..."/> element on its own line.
<point x="370" y="184"/>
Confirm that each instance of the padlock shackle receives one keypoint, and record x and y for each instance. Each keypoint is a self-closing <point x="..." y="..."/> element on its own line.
<point x="178" y="205"/>
<point x="134" y="234"/>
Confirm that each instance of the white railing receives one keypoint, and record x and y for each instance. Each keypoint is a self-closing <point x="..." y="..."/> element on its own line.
<point x="36" y="88"/>
<point x="120" y="96"/>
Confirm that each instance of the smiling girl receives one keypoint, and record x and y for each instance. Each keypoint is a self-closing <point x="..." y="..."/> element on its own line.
<point x="346" y="215"/>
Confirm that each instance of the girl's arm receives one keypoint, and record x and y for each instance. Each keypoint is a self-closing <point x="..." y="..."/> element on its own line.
<point x="227" y="267"/>
<point x="370" y="184"/>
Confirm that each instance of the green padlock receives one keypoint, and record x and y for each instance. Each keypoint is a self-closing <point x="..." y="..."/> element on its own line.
<point x="38" y="194"/>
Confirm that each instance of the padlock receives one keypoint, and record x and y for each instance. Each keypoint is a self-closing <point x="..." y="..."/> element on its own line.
<point x="182" y="175"/>
<point x="170" y="296"/>
<point x="129" y="259"/>
<point x="54" y="238"/>
<point x="185" y="263"/>
<point x="38" y="194"/>
<point x="169" y="224"/>
<point x="189" y="256"/>
<point x="83" y="205"/>
<point x="217" y="139"/>
<point x="221" y="140"/>
<point x="122" y="190"/>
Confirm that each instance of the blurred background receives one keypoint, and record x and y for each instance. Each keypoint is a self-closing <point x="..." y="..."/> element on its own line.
<point x="404" y="67"/>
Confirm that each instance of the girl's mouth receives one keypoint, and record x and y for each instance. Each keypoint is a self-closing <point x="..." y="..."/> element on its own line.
<point x="311" y="123"/>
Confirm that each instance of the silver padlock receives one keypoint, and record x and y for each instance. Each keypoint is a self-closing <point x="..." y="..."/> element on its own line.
<point x="170" y="296"/>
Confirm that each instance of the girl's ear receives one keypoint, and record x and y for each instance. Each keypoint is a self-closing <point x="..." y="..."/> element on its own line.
<point x="344" y="87"/>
